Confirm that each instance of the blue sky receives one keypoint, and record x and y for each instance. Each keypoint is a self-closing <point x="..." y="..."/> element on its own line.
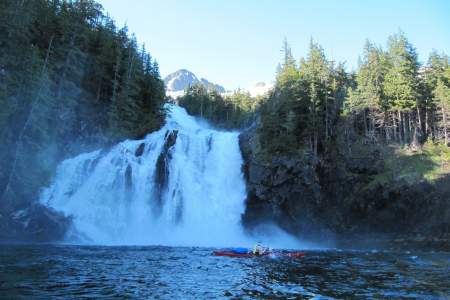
<point x="237" y="42"/>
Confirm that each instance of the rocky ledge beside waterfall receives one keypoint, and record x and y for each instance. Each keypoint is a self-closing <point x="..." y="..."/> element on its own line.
<point x="339" y="198"/>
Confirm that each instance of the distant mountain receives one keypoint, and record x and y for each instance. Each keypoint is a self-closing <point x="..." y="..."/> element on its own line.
<point x="178" y="81"/>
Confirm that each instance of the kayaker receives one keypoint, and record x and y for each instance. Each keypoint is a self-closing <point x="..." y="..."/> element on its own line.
<point x="259" y="249"/>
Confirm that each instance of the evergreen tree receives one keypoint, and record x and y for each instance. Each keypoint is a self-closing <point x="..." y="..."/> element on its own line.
<point x="401" y="84"/>
<point x="442" y="98"/>
<point x="368" y="101"/>
<point x="315" y="71"/>
<point x="431" y="74"/>
<point x="287" y="71"/>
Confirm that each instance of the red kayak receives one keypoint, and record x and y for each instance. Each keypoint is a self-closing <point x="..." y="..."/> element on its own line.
<point x="250" y="254"/>
<point x="232" y="254"/>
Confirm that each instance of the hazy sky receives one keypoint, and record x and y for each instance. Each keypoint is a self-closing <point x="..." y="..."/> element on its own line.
<point x="237" y="42"/>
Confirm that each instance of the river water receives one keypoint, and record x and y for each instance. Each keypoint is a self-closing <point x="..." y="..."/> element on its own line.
<point x="62" y="271"/>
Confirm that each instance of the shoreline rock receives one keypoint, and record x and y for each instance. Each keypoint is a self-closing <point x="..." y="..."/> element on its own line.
<point x="36" y="223"/>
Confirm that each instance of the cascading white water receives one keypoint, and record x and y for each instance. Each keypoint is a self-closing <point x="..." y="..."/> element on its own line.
<point x="180" y="186"/>
<point x="185" y="188"/>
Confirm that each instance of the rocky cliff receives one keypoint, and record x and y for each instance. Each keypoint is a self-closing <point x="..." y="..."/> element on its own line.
<point x="35" y="223"/>
<point x="342" y="197"/>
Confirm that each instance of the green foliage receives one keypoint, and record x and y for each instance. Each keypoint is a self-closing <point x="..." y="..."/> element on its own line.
<point x="388" y="99"/>
<point x="401" y="80"/>
<point x="68" y="79"/>
<point x="429" y="163"/>
<point x="287" y="70"/>
<point x="395" y="98"/>
<point x="302" y="111"/>
<point x="232" y="111"/>
<point x="369" y="93"/>
<point x="442" y="94"/>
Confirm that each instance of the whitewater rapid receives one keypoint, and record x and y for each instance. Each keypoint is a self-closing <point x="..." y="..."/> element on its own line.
<point x="180" y="186"/>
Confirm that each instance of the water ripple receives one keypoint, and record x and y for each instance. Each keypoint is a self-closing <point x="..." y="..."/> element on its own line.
<point x="45" y="271"/>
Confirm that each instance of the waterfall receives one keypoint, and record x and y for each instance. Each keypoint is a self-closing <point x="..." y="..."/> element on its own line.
<point x="181" y="185"/>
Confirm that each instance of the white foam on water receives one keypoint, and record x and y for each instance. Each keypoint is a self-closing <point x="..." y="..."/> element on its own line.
<point x="116" y="198"/>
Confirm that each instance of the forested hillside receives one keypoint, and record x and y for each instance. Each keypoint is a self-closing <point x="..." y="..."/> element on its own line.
<point x="354" y="153"/>
<point x="391" y="98"/>
<point x="70" y="80"/>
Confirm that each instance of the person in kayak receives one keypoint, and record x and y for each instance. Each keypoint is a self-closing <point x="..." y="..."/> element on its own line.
<point x="259" y="249"/>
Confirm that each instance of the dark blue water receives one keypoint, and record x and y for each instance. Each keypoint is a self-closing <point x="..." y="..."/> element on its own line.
<point x="44" y="271"/>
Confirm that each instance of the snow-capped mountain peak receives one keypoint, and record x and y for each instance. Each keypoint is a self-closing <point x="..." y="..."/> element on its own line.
<point x="178" y="81"/>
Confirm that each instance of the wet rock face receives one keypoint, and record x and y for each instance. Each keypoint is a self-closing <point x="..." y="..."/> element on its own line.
<point x="128" y="177"/>
<point x="284" y="190"/>
<point x="368" y="165"/>
<point x="162" y="164"/>
<point x="140" y="150"/>
<point x="36" y="223"/>
<point x="286" y="195"/>
<point x="332" y="197"/>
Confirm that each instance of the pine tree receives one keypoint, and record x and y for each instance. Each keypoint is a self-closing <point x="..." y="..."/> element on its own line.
<point x="431" y="74"/>
<point x="442" y="98"/>
<point x="401" y="84"/>
<point x="287" y="72"/>
<point x="315" y="71"/>
<point x="368" y="101"/>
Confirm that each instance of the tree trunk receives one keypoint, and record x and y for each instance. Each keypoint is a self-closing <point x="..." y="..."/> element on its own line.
<point x="419" y="121"/>
<point x="444" y="119"/>
<point x="405" y="128"/>
<point x="394" y="127"/>
<point x="434" y="125"/>
<point x="315" y="144"/>
<point x="326" y="118"/>
<point x="400" y="127"/>
<point x="365" y="122"/>
<point x="347" y="139"/>
<point x="410" y="127"/>
<point x="416" y="134"/>
<point x="385" y="127"/>
<point x="372" y="124"/>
